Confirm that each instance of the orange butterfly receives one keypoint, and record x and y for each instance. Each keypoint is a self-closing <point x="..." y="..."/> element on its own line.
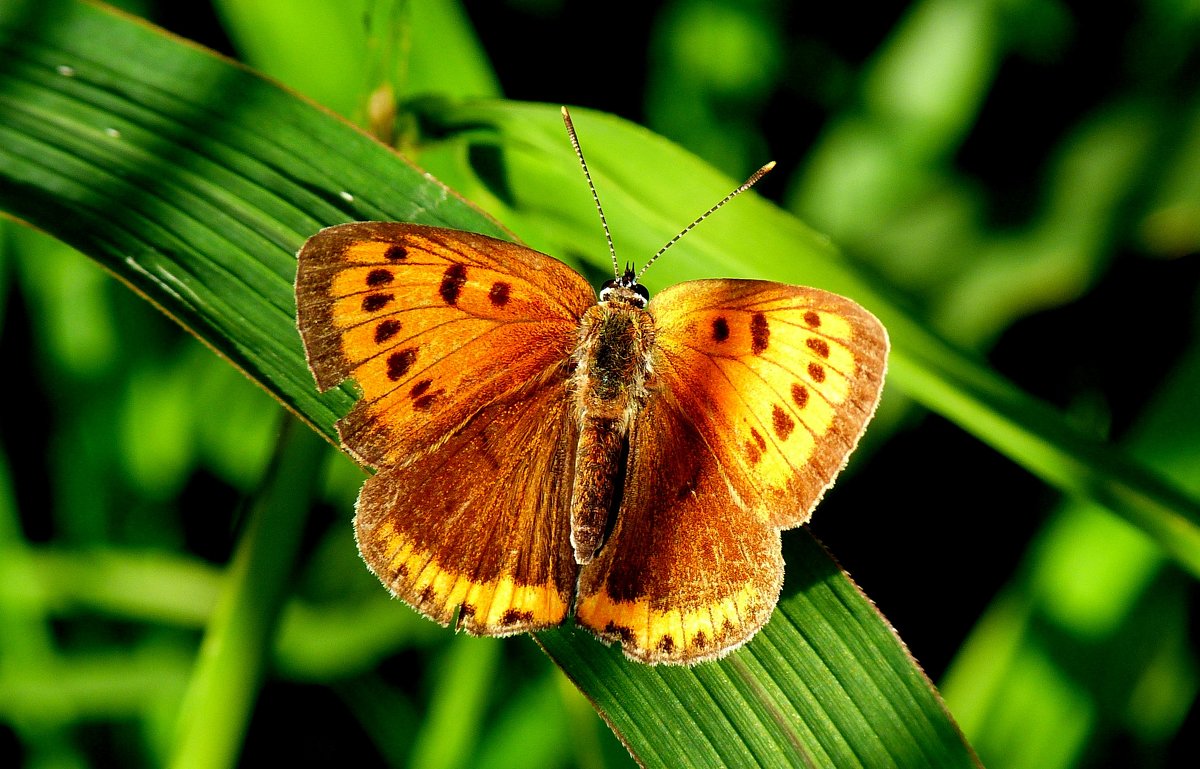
<point x="536" y="449"/>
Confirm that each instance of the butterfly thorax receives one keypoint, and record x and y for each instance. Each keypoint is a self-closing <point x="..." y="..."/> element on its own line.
<point x="612" y="360"/>
<point x="611" y="381"/>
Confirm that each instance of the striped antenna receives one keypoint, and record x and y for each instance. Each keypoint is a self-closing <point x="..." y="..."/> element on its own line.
<point x="587" y="175"/>
<point x="754" y="177"/>
<point x="760" y="173"/>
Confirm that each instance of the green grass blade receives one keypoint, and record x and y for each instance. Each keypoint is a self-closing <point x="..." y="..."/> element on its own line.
<point x="659" y="188"/>
<point x="220" y="698"/>
<point x="189" y="179"/>
<point x="824" y="684"/>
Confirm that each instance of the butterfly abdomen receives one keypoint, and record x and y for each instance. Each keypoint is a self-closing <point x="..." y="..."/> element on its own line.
<point x="609" y="387"/>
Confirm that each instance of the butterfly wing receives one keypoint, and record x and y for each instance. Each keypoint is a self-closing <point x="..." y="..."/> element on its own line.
<point x="432" y="324"/>
<point x="460" y="345"/>
<point x="483" y="521"/>
<point x="781" y="381"/>
<point x="686" y="573"/>
<point x="763" y="391"/>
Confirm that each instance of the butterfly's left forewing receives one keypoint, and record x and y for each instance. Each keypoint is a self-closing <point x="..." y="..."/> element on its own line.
<point x="431" y="324"/>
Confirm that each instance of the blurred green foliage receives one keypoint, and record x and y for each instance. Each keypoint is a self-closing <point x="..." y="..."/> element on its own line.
<point x="1025" y="173"/>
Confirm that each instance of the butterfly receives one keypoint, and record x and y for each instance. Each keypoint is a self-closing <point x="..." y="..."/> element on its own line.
<point x="541" y="453"/>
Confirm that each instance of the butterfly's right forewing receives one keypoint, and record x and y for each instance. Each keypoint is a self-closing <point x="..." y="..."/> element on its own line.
<point x="780" y="380"/>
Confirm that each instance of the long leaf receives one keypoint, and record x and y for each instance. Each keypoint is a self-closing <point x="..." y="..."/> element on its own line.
<point x="656" y="183"/>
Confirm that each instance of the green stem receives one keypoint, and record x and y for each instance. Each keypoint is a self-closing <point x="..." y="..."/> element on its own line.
<point x="220" y="697"/>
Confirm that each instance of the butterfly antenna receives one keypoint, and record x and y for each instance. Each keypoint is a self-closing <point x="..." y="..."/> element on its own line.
<point x="587" y="175"/>
<point x="754" y="177"/>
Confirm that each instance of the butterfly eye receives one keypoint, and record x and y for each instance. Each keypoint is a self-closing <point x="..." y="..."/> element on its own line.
<point x="643" y="292"/>
<point x="607" y="289"/>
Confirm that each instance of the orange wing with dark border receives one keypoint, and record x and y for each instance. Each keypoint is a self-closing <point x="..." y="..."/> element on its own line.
<point x="762" y="392"/>
<point x="460" y="344"/>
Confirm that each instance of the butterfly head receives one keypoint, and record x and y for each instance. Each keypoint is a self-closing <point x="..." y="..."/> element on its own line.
<point x="626" y="289"/>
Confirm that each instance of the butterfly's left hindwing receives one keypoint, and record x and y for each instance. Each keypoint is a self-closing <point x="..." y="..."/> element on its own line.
<point x="481" y="524"/>
<point x="687" y="574"/>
